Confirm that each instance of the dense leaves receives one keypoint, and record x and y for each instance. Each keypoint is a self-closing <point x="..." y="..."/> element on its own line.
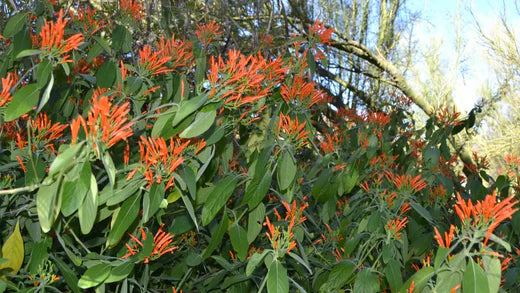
<point x="183" y="164"/>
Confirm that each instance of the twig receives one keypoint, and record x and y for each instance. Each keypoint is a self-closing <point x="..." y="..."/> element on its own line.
<point x="19" y="189"/>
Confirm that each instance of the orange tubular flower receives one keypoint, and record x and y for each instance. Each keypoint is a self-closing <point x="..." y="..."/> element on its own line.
<point x="106" y="122"/>
<point x="322" y="35"/>
<point x="487" y="212"/>
<point x="52" y="38"/>
<point x="448" y="237"/>
<point x="47" y="132"/>
<point x="179" y="51"/>
<point x="133" y="8"/>
<point x="243" y="80"/>
<point x="7" y="83"/>
<point x="207" y="32"/>
<point x="153" y="62"/>
<point x="293" y="129"/>
<point x="305" y="91"/>
<point x="162" y="244"/>
<point x="395" y="226"/>
<point x="401" y="181"/>
<point x="86" y="15"/>
<point x="158" y="160"/>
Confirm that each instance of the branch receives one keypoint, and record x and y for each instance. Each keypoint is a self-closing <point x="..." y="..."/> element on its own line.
<point x="19" y="189"/>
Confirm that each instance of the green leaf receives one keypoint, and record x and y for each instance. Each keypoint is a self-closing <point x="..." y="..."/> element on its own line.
<point x="393" y="275"/>
<point x="431" y="157"/>
<point x="203" y="121"/>
<point x="191" y="211"/>
<point x="500" y="241"/>
<point x="366" y="282"/>
<point x="88" y="210"/>
<point x="106" y="74"/>
<point x="254" y="222"/>
<point x="256" y="190"/>
<point x="277" y="280"/>
<point x="15" y="24"/>
<point x="322" y="188"/>
<point x="47" y="204"/>
<point x="43" y="73"/>
<point x="94" y="276"/>
<point x="238" y="236"/>
<point x="39" y="253"/>
<point x="188" y="176"/>
<point x="126" y="216"/>
<point x="123" y="191"/>
<point x="286" y="170"/>
<point x="65" y="159"/>
<point x="68" y="274"/>
<point x="475" y="279"/>
<point x="46" y="94"/>
<point x="120" y="272"/>
<point x="200" y="70"/>
<point x="422" y="211"/>
<point x="13" y="251"/>
<point x="162" y="122"/>
<point x="109" y="167"/>
<point x="340" y="275"/>
<point x="74" y="192"/>
<point x="28" y="52"/>
<point x="121" y="39"/>
<point x="493" y="271"/>
<point x="218" y="199"/>
<point x="216" y="236"/>
<point x="153" y="200"/>
<point x="23" y="101"/>
<point x="253" y="262"/>
<point x="187" y="107"/>
<point x="440" y="256"/>
<point x="420" y="279"/>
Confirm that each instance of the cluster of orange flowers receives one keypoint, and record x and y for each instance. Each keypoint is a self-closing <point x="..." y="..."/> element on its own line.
<point x="303" y="90"/>
<point x="52" y="42"/>
<point x="487" y="212"/>
<point x="162" y="244"/>
<point x="448" y="237"/>
<point x="90" y="24"/>
<point x="319" y="31"/>
<point x="157" y="159"/>
<point x="133" y="8"/>
<point x="207" y="32"/>
<point x="243" y="80"/>
<point x="293" y="129"/>
<point x="7" y="83"/>
<point x="414" y="184"/>
<point x="179" y="52"/>
<point x="106" y="122"/>
<point x="294" y="215"/>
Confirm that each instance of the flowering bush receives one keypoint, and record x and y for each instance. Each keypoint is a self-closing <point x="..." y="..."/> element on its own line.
<point x="169" y="167"/>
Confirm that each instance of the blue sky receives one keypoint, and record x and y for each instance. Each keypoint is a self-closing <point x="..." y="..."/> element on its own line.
<point x="437" y="23"/>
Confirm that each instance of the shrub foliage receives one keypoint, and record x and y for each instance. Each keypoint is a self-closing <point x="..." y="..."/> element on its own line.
<point x="173" y="165"/>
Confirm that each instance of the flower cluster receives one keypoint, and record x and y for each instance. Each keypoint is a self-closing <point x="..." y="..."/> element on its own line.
<point x="7" y="83"/>
<point x="283" y="241"/>
<point x="304" y="91"/>
<point x="158" y="160"/>
<point x="106" y="122"/>
<point x="243" y="80"/>
<point x="52" y="40"/>
<point x="293" y="130"/>
<point x="162" y="244"/>
<point x="207" y="32"/>
<point x="133" y="8"/>
<point x="487" y="213"/>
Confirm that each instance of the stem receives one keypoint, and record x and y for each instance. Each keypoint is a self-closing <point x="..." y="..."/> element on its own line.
<point x="262" y="285"/>
<point x="184" y="278"/>
<point x="19" y="189"/>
